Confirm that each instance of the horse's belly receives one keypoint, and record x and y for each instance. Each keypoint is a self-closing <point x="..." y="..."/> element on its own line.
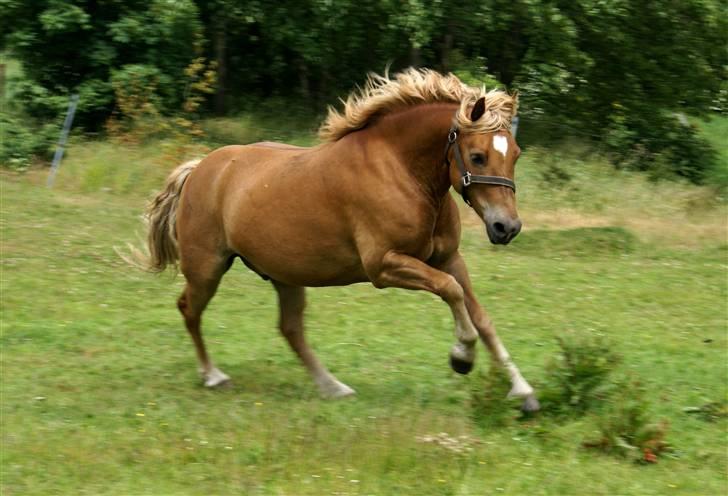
<point x="298" y="245"/>
<point x="305" y="268"/>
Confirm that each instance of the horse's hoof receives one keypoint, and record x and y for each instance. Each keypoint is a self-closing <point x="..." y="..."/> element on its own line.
<point x="460" y="366"/>
<point x="530" y="405"/>
<point x="336" y="391"/>
<point x="216" y="378"/>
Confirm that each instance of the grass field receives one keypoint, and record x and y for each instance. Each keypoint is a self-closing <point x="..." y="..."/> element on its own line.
<point x="100" y="393"/>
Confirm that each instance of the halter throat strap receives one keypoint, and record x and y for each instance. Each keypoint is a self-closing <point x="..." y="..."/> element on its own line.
<point x="466" y="178"/>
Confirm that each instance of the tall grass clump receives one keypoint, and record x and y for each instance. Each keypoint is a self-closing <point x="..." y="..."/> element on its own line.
<point x="626" y="426"/>
<point x="489" y="406"/>
<point x="578" y="377"/>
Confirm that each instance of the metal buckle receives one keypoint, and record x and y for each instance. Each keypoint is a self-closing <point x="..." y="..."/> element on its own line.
<point x="466" y="179"/>
<point x="452" y="136"/>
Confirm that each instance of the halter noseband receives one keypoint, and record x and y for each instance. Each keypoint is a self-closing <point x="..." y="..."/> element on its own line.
<point x="466" y="177"/>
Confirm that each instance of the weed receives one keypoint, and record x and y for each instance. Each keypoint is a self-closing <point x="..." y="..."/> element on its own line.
<point x="578" y="376"/>
<point x="489" y="405"/>
<point x="626" y="427"/>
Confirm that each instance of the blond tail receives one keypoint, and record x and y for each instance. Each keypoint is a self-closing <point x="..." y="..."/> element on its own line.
<point x="161" y="219"/>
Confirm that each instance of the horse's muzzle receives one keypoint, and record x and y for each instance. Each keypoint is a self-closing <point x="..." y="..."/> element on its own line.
<point x="502" y="231"/>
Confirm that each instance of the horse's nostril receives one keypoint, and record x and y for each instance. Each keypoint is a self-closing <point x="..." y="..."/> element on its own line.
<point x="499" y="227"/>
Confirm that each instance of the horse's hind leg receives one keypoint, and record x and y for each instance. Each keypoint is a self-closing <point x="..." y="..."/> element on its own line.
<point x="291" y="302"/>
<point x="202" y="281"/>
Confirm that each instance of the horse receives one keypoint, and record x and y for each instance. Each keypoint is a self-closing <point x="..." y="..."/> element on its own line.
<point x="371" y="203"/>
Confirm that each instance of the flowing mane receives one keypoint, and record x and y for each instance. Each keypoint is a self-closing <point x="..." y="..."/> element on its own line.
<point x="412" y="86"/>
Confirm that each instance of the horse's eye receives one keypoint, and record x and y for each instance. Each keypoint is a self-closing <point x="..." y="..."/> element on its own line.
<point x="477" y="159"/>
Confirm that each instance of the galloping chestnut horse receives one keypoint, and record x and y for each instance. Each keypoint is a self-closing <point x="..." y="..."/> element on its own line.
<point x="371" y="203"/>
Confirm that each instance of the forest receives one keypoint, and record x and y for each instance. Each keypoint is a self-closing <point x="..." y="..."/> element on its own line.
<point x="630" y="76"/>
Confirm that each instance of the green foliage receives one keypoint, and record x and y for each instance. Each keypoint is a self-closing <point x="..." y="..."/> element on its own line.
<point x="714" y="131"/>
<point x="660" y="144"/>
<point x="614" y="72"/>
<point x="137" y="116"/>
<point x="489" y="407"/>
<point x="21" y="141"/>
<point x="77" y="46"/>
<point x="627" y="428"/>
<point x="578" y="378"/>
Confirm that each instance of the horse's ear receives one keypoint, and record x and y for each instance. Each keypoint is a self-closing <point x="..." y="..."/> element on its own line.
<point x="478" y="109"/>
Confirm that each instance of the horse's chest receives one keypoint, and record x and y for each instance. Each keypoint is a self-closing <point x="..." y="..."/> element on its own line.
<point x="411" y="234"/>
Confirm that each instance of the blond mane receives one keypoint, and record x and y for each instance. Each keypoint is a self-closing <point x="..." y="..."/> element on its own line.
<point x="381" y="95"/>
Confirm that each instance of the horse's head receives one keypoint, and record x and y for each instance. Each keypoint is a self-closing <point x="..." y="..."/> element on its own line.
<point x="482" y="167"/>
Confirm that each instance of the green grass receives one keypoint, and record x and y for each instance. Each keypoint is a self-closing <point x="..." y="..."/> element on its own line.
<point x="100" y="393"/>
<point x="715" y="130"/>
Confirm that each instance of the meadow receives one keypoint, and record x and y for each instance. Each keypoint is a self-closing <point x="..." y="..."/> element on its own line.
<point x="100" y="393"/>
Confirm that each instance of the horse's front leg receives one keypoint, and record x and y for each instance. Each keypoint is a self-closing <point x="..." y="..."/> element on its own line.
<point x="403" y="271"/>
<point x="520" y="387"/>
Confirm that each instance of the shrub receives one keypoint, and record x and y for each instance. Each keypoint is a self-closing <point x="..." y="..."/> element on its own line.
<point x="626" y="427"/>
<point x="137" y="116"/>
<point x="663" y="144"/>
<point x="578" y="376"/>
<point x="77" y="47"/>
<point x="490" y="407"/>
<point x="22" y="141"/>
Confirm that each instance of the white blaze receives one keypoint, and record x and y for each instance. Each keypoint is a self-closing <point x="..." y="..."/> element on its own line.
<point x="500" y="143"/>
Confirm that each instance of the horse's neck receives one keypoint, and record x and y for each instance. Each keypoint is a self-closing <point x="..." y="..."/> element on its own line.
<point x="419" y="135"/>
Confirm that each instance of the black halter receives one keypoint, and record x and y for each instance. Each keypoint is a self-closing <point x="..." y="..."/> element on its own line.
<point x="466" y="177"/>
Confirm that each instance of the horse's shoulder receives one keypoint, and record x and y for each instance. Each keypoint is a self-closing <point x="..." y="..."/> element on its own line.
<point x="446" y="236"/>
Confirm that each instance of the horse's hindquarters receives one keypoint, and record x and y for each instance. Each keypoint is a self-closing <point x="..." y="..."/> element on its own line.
<point x="275" y="209"/>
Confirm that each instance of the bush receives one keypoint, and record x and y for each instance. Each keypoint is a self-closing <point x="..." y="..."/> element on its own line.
<point x="490" y="407"/>
<point x="626" y="427"/>
<point x="22" y="142"/>
<point x="578" y="378"/>
<point x="663" y="144"/>
<point x="138" y="114"/>
<point x="73" y="47"/>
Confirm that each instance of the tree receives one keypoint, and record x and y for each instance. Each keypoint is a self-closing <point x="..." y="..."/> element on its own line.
<point x="69" y="46"/>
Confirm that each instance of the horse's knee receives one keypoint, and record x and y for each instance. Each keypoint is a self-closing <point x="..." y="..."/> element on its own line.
<point x="182" y="303"/>
<point x="449" y="290"/>
<point x="289" y="330"/>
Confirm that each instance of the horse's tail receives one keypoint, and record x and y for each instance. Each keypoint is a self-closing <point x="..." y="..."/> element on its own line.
<point x="161" y="219"/>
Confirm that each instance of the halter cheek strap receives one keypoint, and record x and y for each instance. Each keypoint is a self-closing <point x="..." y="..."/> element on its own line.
<point x="466" y="178"/>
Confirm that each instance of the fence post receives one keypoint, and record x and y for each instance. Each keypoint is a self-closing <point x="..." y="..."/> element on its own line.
<point x="62" y="140"/>
<point x="514" y="126"/>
